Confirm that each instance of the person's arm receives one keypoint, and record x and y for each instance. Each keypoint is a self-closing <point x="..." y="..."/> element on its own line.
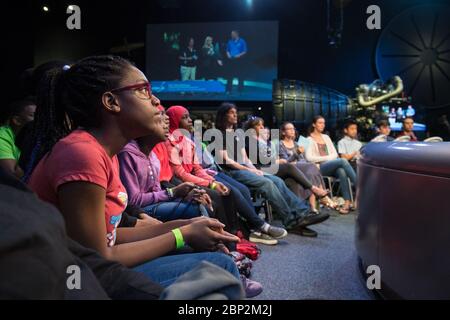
<point x="223" y="158"/>
<point x="228" y="50"/>
<point x="185" y="176"/>
<point x="179" y="171"/>
<point x="343" y="151"/>
<point x="312" y="154"/>
<point x="7" y="158"/>
<point x="11" y="166"/>
<point x="244" y="49"/>
<point x="332" y="153"/>
<point x="130" y="179"/>
<point x="82" y="205"/>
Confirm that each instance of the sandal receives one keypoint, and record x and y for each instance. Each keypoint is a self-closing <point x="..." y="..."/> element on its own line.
<point x="345" y="209"/>
<point x="326" y="201"/>
<point x="320" y="195"/>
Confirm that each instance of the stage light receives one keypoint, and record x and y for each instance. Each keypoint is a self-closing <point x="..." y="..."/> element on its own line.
<point x="259" y="108"/>
<point x="249" y="3"/>
<point x="45" y="8"/>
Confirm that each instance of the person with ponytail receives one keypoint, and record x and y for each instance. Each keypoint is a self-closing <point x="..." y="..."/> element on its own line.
<point x="86" y="114"/>
<point x="322" y="152"/>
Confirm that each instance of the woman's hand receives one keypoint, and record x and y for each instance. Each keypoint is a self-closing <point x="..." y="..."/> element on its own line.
<point x="281" y="161"/>
<point x="301" y="150"/>
<point x="256" y="171"/>
<point x="201" y="235"/>
<point x="181" y="190"/>
<point x="221" y="188"/>
<point x="200" y="196"/>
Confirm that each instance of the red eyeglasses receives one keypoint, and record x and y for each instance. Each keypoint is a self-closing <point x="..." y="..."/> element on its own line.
<point x="142" y="90"/>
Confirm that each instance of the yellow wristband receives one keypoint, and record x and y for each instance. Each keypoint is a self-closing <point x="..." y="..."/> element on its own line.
<point x="213" y="186"/>
<point x="178" y="238"/>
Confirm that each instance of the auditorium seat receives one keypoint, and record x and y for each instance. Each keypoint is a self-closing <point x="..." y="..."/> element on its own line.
<point x="404" y="217"/>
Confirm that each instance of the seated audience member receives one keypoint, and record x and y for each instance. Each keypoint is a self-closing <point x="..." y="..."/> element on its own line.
<point x="293" y="176"/>
<point x="108" y="102"/>
<point x="295" y="213"/>
<point x="25" y="264"/>
<point x="349" y="146"/>
<point x="29" y="145"/>
<point x="139" y="172"/>
<point x="407" y="129"/>
<point x="38" y="269"/>
<point x="12" y="121"/>
<point x="322" y="152"/>
<point x="384" y="129"/>
<point x="291" y="152"/>
<point x="190" y="166"/>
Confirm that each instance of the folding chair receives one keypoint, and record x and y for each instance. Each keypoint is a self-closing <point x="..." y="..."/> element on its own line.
<point x="260" y="202"/>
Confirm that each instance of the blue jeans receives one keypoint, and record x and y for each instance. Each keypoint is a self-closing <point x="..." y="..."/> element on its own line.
<point x="340" y="168"/>
<point x="289" y="207"/>
<point x="166" y="270"/>
<point x="242" y="199"/>
<point x="173" y="210"/>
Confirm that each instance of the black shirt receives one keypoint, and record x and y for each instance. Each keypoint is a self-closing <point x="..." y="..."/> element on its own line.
<point x="192" y="57"/>
<point x="233" y="143"/>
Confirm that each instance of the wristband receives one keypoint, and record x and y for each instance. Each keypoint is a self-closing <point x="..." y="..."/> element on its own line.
<point x="169" y="192"/>
<point x="213" y="185"/>
<point x="178" y="238"/>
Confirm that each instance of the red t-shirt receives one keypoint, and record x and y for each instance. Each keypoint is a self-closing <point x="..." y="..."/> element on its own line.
<point x="79" y="157"/>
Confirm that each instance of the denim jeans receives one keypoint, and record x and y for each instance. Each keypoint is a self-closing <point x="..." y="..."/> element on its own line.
<point x="289" y="207"/>
<point x="340" y="168"/>
<point x="166" y="270"/>
<point x="173" y="210"/>
<point x="242" y="199"/>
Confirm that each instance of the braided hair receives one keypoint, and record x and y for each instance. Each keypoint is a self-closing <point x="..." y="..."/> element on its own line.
<point x="69" y="98"/>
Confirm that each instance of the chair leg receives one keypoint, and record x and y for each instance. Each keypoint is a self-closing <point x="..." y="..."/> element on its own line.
<point x="268" y="209"/>
<point x="351" y="190"/>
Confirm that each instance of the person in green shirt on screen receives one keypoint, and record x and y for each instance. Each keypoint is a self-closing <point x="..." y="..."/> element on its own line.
<point x="12" y="120"/>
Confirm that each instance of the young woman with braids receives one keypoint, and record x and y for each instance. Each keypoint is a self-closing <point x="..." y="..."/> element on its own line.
<point x="86" y="114"/>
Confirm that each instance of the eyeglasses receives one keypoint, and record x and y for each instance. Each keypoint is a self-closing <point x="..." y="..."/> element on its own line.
<point x="142" y="90"/>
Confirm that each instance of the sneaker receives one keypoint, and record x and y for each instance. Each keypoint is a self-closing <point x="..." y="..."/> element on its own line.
<point x="304" y="232"/>
<point x="276" y="232"/>
<point x="259" y="237"/>
<point x="312" y="218"/>
<point x="252" y="288"/>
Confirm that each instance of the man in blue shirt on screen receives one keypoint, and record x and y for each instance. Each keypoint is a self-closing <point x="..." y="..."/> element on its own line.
<point x="236" y="50"/>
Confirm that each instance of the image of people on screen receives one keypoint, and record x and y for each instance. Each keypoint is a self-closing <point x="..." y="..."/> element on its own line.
<point x="212" y="62"/>
<point x="236" y="51"/>
<point x="188" y="61"/>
